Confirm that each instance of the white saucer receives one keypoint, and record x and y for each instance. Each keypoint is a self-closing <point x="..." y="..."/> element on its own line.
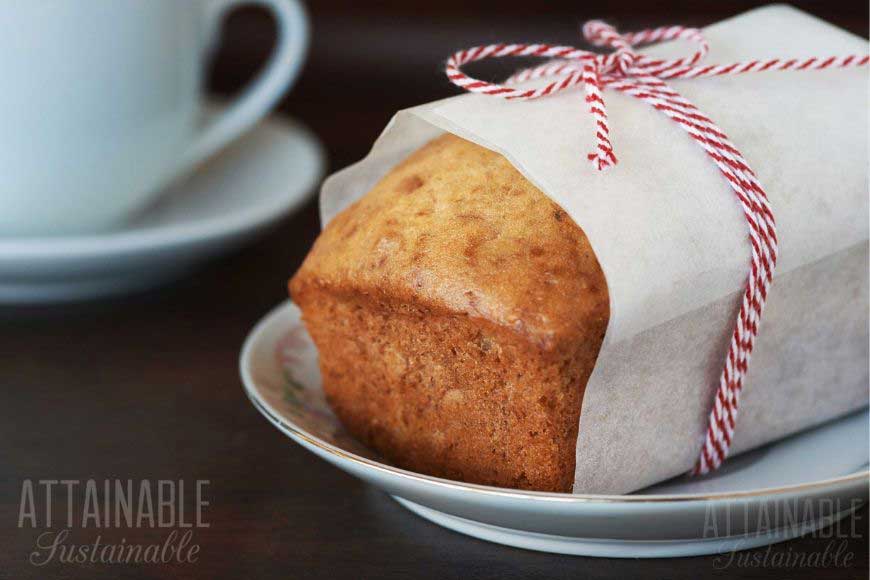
<point x="779" y="492"/>
<point x="257" y="180"/>
<point x="775" y="493"/>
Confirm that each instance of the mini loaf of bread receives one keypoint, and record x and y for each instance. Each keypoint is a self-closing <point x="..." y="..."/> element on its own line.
<point x="458" y="313"/>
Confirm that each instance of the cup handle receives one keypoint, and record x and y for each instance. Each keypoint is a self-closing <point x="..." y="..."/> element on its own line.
<point x="264" y="91"/>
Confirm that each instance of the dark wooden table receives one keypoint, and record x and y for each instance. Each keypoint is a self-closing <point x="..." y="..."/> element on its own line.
<point x="146" y="387"/>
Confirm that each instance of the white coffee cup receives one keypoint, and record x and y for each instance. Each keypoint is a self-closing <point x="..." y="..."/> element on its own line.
<point x="100" y="104"/>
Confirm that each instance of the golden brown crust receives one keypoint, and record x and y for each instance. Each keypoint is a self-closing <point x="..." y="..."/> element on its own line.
<point x="458" y="227"/>
<point x="458" y="312"/>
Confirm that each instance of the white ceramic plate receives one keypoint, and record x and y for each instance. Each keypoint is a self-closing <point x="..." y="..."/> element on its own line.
<point x="769" y="495"/>
<point x="254" y="182"/>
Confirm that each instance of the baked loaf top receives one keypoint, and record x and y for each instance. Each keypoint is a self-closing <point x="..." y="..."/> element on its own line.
<point x="456" y="227"/>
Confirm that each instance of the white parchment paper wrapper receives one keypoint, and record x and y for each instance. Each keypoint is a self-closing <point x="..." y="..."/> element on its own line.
<point x="672" y="241"/>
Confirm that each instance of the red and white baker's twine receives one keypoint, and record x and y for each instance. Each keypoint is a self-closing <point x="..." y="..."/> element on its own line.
<point x="644" y="77"/>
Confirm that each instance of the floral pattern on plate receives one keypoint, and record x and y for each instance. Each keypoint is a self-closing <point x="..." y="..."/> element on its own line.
<point x="301" y="392"/>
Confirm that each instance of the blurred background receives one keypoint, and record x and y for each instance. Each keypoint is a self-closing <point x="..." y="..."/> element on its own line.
<point x="146" y="385"/>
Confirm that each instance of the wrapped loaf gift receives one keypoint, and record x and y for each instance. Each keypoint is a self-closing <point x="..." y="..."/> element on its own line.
<point x="488" y="307"/>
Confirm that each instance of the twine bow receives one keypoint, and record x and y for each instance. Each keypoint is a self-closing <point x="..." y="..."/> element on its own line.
<point x="643" y="77"/>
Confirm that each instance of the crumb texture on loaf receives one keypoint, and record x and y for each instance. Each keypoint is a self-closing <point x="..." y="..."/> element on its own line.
<point x="458" y="313"/>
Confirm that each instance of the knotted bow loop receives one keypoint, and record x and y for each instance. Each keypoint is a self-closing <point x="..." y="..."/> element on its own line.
<point x="573" y="66"/>
<point x="643" y="77"/>
<point x="632" y="64"/>
<point x="621" y="61"/>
